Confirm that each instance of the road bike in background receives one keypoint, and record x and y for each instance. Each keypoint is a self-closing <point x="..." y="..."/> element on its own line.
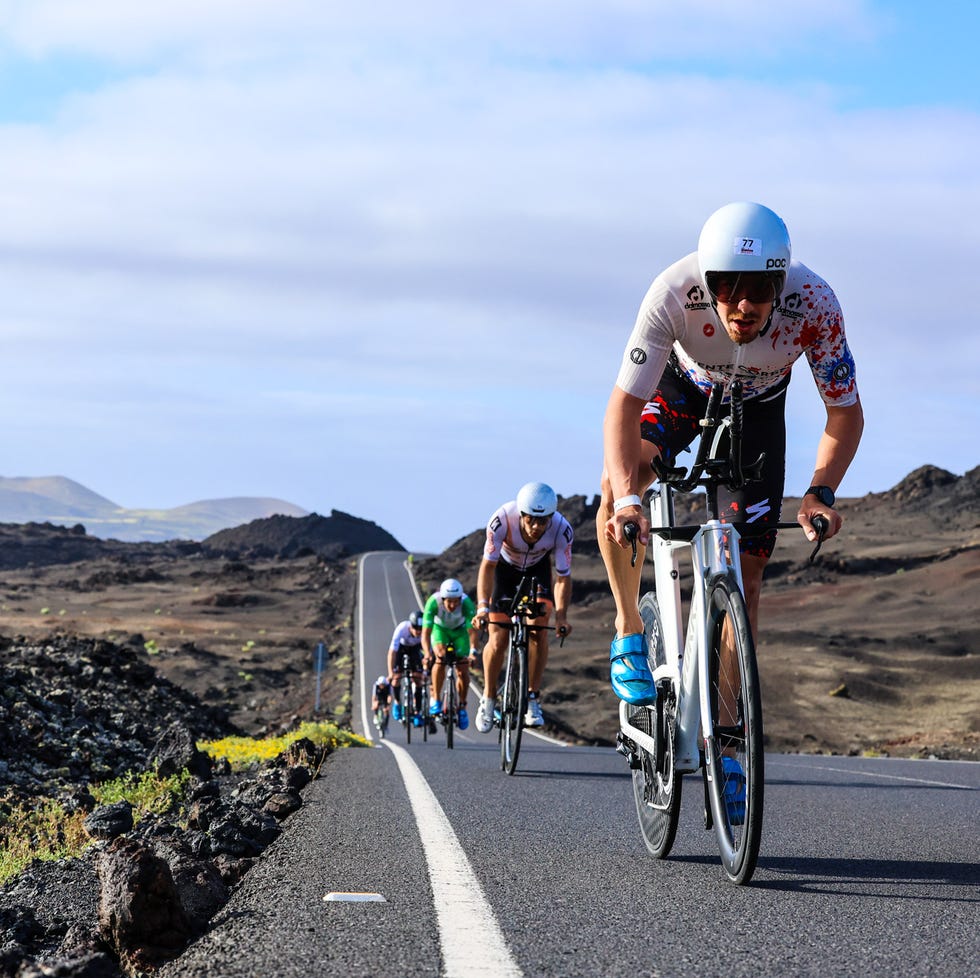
<point x="513" y="684"/>
<point x="449" y="718"/>
<point x="708" y="711"/>
<point x="410" y="693"/>
<point x="381" y="716"/>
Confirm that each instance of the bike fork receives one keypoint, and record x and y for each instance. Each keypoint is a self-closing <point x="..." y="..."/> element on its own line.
<point x="708" y="819"/>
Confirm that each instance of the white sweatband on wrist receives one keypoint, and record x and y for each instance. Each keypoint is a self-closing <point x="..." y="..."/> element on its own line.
<point x="625" y="501"/>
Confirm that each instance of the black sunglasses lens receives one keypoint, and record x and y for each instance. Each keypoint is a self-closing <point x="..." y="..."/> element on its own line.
<point x="757" y="287"/>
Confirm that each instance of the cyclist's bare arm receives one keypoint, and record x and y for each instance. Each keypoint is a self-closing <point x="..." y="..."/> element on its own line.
<point x="626" y="472"/>
<point x="484" y="591"/>
<point x="836" y="450"/>
<point x="563" y="598"/>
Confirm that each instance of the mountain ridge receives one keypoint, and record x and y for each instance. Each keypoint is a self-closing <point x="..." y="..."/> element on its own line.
<point x="65" y="502"/>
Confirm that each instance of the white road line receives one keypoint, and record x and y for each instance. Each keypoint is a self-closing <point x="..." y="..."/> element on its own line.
<point x="470" y="939"/>
<point x="887" y="777"/>
<point x="366" y="724"/>
<point x="472" y="943"/>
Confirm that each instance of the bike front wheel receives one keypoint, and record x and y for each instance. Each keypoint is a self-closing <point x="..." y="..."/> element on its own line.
<point x="424" y="710"/>
<point x="513" y="705"/>
<point x="406" y="700"/>
<point x="449" y="705"/>
<point x="734" y="760"/>
<point x="656" y="783"/>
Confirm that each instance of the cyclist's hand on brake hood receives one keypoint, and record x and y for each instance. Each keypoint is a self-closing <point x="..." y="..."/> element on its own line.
<point x="615" y="527"/>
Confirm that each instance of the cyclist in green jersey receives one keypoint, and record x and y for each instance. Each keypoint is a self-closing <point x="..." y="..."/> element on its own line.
<point x="448" y="620"/>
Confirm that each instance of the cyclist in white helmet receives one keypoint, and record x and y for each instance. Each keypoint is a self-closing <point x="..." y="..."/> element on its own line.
<point x="448" y="620"/>
<point x="521" y="537"/>
<point x="739" y="307"/>
<point x="381" y="698"/>
<point x="407" y="637"/>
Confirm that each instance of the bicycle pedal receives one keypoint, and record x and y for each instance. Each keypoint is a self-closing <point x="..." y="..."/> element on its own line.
<point x="627" y="748"/>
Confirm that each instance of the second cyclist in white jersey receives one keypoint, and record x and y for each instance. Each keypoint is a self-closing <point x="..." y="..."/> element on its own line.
<point x="407" y="637"/>
<point x="522" y="535"/>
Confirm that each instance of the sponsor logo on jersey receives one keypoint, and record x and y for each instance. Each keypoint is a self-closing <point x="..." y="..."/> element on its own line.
<point x="791" y="306"/>
<point x="709" y="329"/>
<point x="638" y="356"/>
<point x="695" y="299"/>
<point x="842" y="371"/>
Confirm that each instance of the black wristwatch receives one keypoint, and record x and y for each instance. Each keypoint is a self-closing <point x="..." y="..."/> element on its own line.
<point x="824" y="493"/>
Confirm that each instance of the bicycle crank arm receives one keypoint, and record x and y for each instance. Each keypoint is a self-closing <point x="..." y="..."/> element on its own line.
<point x="683" y="765"/>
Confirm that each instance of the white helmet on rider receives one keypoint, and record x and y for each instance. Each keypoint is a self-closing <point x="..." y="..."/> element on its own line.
<point x="451" y="588"/>
<point x="744" y="237"/>
<point x="537" y="499"/>
<point x="381" y="681"/>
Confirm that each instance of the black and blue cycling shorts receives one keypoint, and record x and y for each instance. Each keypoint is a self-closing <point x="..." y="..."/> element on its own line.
<point x="670" y="421"/>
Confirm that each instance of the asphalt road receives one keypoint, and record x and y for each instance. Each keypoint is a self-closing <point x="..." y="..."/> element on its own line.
<point x="868" y="866"/>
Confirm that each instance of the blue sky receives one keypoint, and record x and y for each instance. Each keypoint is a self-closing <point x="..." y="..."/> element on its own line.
<point x="384" y="258"/>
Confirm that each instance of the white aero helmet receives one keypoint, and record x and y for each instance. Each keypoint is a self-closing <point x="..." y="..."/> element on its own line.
<point x="451" y="588"/>
<point x="744" y="237"/>
<point x="537" y="499"/>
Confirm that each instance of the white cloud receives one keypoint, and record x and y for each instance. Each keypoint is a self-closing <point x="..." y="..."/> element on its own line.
<point x="356" y="216"/>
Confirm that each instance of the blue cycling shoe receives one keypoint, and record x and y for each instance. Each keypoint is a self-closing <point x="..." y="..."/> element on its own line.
<point x="436" y="708"/>
<point x="463" y="719"/>
<point x="396" y="712"/>
<point x="629" y="672"/>
<point x="417" y="721"/>
<point x="734" y="790"/>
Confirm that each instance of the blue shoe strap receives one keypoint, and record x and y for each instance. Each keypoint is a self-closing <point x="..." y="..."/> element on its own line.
<point x="628" y="645"/>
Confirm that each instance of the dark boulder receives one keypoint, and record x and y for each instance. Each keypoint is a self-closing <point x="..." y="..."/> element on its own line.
<point x="141" y="916"/>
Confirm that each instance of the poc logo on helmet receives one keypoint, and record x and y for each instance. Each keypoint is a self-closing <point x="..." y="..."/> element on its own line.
<point x="775" y="263"/>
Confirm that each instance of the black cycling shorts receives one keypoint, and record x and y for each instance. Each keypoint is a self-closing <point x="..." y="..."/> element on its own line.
<point x="507" y="578"/>
<point x="414" y="657"/>
<point x="670" y="421"/>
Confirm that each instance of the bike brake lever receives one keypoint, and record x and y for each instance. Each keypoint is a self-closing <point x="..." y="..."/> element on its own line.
<point x="820" y="524"/>
<point x="631" y="531"/>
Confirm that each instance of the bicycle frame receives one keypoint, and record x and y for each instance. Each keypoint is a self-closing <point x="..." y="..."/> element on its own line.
<point x="714" y="550"/>
<point x="708" y="711"/>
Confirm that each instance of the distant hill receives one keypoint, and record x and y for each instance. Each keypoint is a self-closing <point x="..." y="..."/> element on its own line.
<point x="332" y="537"/>
<point x="63" y="502"/>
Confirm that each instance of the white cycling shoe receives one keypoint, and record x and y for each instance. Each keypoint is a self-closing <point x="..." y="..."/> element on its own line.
<point x="534" y="717"/>
<point x="484" y="715"/>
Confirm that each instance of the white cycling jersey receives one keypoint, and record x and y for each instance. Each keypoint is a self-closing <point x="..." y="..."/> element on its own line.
<point x="403" y="636"/>
<point x="677" y="314"/>
<point x="504" y="540"/>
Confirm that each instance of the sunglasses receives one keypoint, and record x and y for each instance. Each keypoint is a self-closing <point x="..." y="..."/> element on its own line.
<point x="757" y="287"/>
<point x="537" y="520"/>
